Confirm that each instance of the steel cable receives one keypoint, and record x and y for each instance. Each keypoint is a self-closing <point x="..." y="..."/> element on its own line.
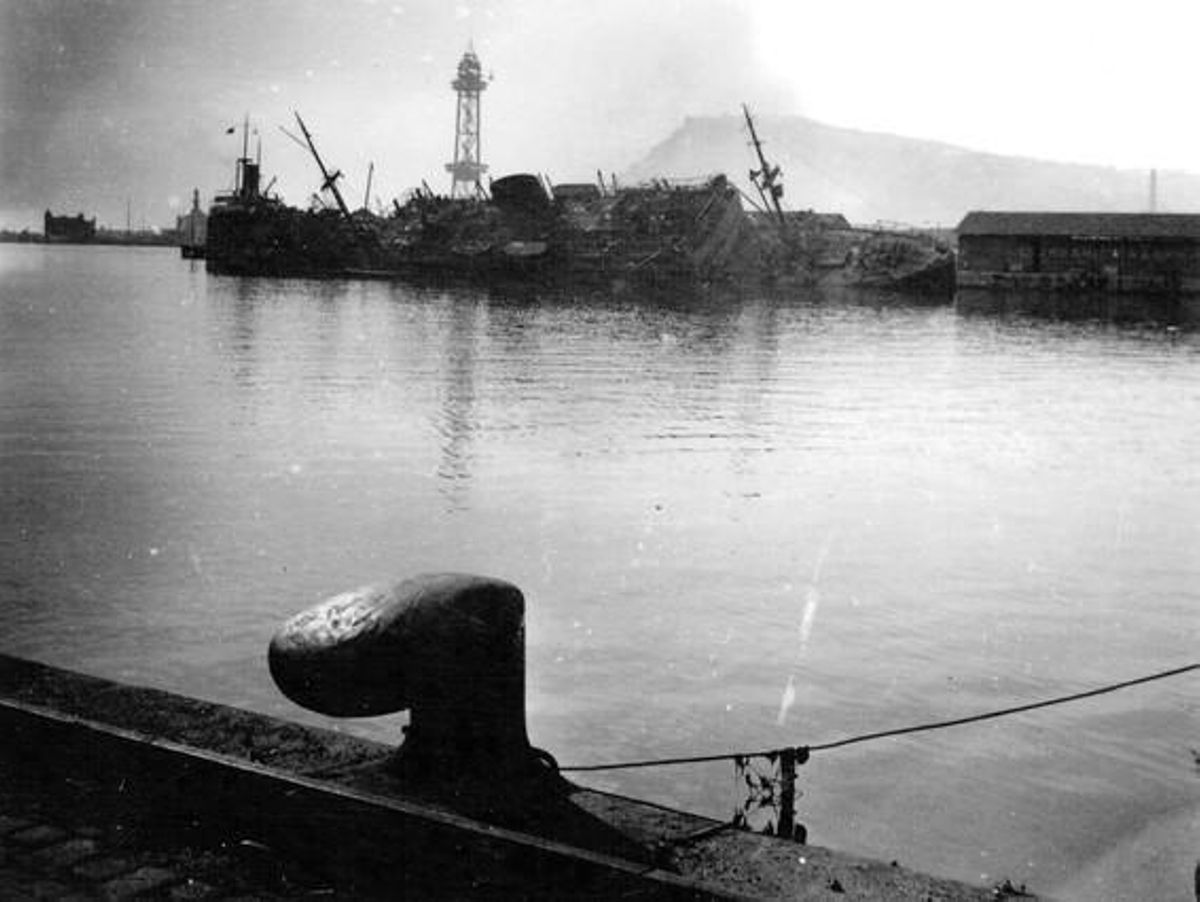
<point x="899" y="731"/>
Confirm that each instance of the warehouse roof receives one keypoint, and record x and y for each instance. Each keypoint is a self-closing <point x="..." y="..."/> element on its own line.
<point x="1100" y="225"/>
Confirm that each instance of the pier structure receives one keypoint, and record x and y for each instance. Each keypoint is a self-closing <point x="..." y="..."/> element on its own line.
<point x="467" y="167"/>
<point x="113" y="791"/>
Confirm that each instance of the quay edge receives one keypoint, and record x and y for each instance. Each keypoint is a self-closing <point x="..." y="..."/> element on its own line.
<point x="329" y="801"/>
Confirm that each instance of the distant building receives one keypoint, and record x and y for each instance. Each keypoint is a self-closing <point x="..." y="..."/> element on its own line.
<point x="567" y="192"/>
<point x="1135" y="252"/>
<point x="192" y="229"/>
<point x="68" y="229"/>
<point x="802" y="221"/>
<point x="810" y="219"/>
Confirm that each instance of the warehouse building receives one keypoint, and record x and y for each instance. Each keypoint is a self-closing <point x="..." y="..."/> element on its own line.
<point x="1134" y="252"/>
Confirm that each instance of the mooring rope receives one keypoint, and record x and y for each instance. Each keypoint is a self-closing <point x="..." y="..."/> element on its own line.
<point x="899" y="731"/>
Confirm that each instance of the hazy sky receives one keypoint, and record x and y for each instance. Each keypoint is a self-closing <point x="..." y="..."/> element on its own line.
<point x="109" y="105"/>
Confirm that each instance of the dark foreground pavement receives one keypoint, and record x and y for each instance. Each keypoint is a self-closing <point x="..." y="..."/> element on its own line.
<point x="56" y="844"/>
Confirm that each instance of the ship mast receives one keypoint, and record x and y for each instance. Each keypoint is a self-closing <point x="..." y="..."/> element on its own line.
<point x="766" y="178"/>
<point x="330" y="178"/>
<point x="239" y="170"/>
<point x="246" y="139"/>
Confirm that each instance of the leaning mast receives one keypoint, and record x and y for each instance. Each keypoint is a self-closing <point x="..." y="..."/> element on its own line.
<point x="766" y="178"/>
<point x="330" y="178"/>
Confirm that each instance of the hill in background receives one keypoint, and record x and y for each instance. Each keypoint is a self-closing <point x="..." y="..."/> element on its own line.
<point x="873" y="177"/>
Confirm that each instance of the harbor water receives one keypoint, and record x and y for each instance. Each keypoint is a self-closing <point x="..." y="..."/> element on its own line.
<point x="740" y="521"/>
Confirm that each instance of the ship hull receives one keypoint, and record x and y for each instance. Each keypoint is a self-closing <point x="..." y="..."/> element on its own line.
<point x="661" y="233"/>
<point x="276" y="240"/>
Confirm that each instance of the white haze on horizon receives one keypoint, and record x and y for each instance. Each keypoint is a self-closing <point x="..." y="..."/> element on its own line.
<point x="115" y="105"/>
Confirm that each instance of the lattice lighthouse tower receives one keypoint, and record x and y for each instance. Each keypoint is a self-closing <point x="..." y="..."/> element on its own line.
<point x="466" y="170"/>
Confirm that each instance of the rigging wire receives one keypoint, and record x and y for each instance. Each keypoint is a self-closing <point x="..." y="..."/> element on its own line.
<point x="899" y="731"/>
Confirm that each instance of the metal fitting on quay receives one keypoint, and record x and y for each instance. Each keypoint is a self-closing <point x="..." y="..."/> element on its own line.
<point x="449" y="648"/>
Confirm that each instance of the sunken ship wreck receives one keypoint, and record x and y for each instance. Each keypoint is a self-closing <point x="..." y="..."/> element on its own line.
<point x="523" y="226"/>
<point x="520" y="228"/>
<point x="825" y="250"/>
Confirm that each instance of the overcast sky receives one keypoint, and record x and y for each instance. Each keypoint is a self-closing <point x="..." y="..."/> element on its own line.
<point x="115" y="105"/>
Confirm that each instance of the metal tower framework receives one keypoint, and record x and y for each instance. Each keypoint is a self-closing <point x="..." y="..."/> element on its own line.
<point x="466" y="170"/>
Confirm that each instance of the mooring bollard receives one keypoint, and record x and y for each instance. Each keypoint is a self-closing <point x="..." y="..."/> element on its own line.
<point x="450" y="648"/>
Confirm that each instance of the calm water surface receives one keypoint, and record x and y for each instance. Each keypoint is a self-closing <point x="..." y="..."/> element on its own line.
<point x="903" y="512"/>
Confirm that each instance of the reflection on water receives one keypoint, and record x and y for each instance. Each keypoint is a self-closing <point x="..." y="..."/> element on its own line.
<point x="1153" y="310"/>
<point x="741" y="521"/>
<point x="455" y="418"/>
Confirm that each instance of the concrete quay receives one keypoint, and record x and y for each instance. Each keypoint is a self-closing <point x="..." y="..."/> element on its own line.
<point x="110" y="791"/>
<point x="48" y="852"/>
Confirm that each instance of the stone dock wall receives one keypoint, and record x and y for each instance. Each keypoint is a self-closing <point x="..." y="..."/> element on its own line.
<point x="115" y="791"/>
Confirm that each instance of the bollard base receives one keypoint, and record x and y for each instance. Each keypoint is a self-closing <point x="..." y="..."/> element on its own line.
<point x="485" y="784"/>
